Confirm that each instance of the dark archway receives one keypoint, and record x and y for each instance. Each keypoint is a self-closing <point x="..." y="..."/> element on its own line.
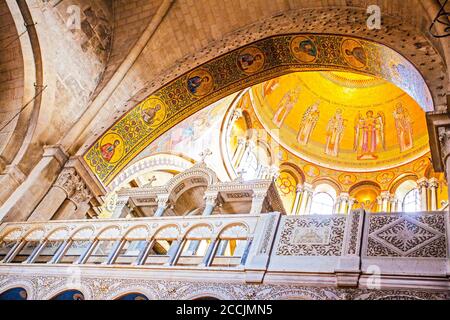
<point x="14" y="294"/>
<point x="133" y="296"/>
<point x="69" y="295"/>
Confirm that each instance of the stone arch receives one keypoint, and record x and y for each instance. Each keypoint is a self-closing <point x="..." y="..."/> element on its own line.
<point x="105" y="175"/>
<point x="81" y="288"/>
<point x="294" y="171"/>
<point x="328" y="181"/>
<point x="197" y="231"/>
<point x="113" y="232"/>
<point x="214" y="292"/>
<point x="61" y="233"/>
<point x="235" y="231"/>
<point x="147" y="291"/>
<point x="141" y="231"/>
<point x="83" y="233"/>
<point x="170" y="231"/>
<point x="400" y="179"/>
<point x="24" y="284"/>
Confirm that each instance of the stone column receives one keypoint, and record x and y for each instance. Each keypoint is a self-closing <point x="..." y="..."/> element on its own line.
<point x="20" y="205"/>
<point x="433" y="185"/>
<point x="68" y="194"/>
<point x="210" y="203"/>
<point x="298" y="199"/>
<point x="385" y="198"/>
<point x="258" y="201"/>
<point x="163" y="203"/>
<point x="122" y="209"/>
<point x="379" y="204"/>
<point x="351" y="202"/>
<point x="394" y="204"/>
<point x="306" y="199"/>
<point x="423" y="190"/>
<point x="344" y="198"/>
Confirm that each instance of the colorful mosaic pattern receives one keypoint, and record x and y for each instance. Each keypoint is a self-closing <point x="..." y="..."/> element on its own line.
<point x="239" y="69"/>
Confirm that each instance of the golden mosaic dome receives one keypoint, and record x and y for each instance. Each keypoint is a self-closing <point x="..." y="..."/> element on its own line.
<point x="340" y="120"/>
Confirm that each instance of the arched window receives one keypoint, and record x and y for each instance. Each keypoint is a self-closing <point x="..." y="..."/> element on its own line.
<point x="411" y="201"/>
<point x="323" y="199"/>
<point x="408" y="193"/>
<point x="322" y="203"/>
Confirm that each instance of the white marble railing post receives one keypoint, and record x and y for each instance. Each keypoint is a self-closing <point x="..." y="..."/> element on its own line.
<point x="142" y="257"/>
<point x="60" y="252"/>
<point x="175" y="251"/>
<point x="85" y="255"/>
<point x="210" y="252"/>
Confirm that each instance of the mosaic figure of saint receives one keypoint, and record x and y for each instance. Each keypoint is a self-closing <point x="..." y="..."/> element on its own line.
<point x="195" y="82"/>
<point x="403" y="124"/>
<point x="285" y="106"/>
<point x="358" y="53"/>
<point x="148" y="115"/>
<point x="369" y="135"/>
<point x="309" y="121"/>
<point x="335" y="130"/>
<point x="306" y="46"/>
<point x="247" y="60"/>
<point x="108" y="150"/>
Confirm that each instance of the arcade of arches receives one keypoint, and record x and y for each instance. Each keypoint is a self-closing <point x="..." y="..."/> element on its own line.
<point x="263" y="140"/>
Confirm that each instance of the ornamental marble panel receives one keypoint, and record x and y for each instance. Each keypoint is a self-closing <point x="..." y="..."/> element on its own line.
<point x="407" y="235"/>
<point x="312" y="236"/>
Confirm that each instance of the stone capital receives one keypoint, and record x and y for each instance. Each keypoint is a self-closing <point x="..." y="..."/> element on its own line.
<point x="385" y="195"/>
<point x="211" y="198"/>
<point x="56" y="152"/>
<point x="422" y="183"/>
<point x="163" y="201"/>
<point x="433" y="183"/>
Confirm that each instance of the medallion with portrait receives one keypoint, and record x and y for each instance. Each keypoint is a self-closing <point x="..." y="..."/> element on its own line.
<point x="251" y="60"/>
<point x="153" y="111"/>
<point x="112" y="148"/>
<point x="353" y="53"/>
<point x="200" y="82"/>
<point x="304" y="49"/>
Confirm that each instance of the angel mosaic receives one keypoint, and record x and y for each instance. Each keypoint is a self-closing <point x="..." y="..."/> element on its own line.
<point x="369" y="135"/>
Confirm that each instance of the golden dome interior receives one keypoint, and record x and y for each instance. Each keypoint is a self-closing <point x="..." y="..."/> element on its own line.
<point x="340" y="120"/>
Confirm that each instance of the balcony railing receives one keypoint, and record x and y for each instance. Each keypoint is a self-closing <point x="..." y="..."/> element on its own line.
<point x="266" y="247"/>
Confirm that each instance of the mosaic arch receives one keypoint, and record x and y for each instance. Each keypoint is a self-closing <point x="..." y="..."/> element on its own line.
<point x="236" y="70"/>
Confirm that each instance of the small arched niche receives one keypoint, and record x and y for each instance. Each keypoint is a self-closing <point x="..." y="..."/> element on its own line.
<point x="69" y="295"/>
<point x="14" y="294"/>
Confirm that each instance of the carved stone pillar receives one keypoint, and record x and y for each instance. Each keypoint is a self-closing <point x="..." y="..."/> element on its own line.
<point x="122" y="208"/>
<point x="379" y="204"/>
<point x="29" y="194"/>
<point x="163" y="204"/>
<point x="258" y="200"/>
<point x="394" y="204"/>
<point x="423" y="190"/>
<point x="210" y="203"/>
<point x="68" y="195"/>
<point x="433" y="185"/>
